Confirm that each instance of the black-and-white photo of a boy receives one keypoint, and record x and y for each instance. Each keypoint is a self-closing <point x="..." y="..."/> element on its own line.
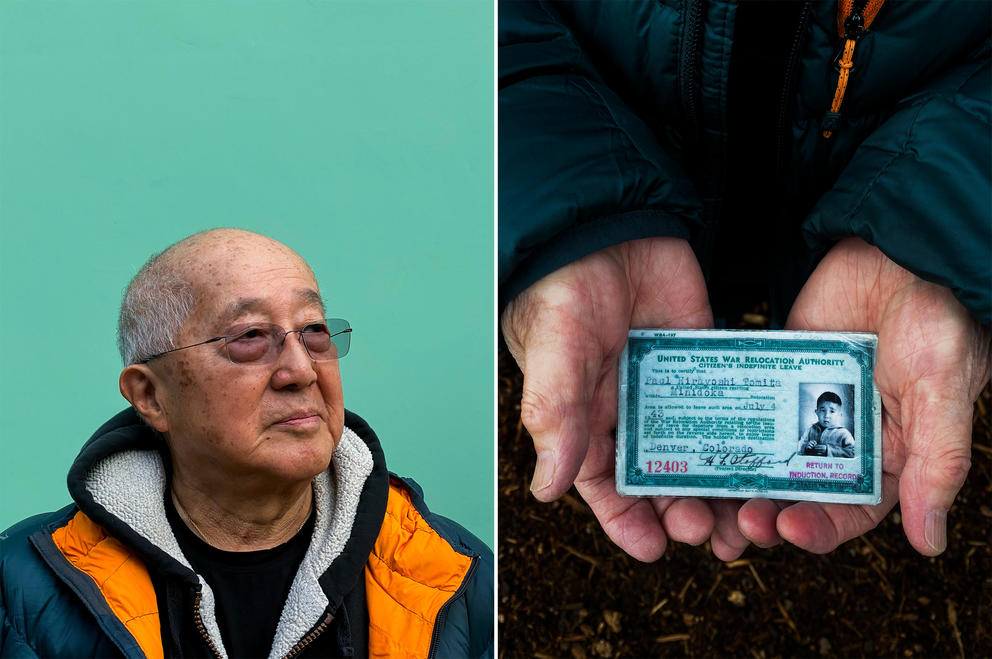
<point x="828" y="437"/>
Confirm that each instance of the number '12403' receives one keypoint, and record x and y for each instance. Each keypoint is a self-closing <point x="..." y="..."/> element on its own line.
<point x="668" y="467"/>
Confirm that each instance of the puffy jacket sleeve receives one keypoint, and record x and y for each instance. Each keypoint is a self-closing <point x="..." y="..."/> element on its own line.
<point x="11" y="643"/>
<point x="579" y="170"/>
<point x="920" y="188"/>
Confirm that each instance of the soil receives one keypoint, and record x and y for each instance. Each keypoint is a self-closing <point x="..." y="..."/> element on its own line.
<point x="566" y="591"/>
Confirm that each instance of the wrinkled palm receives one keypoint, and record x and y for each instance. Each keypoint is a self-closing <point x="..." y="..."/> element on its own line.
<point x="566" y="332"/>
<point x="932" y="362"/>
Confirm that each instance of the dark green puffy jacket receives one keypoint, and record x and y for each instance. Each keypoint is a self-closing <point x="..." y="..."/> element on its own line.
<point x="105" y="577"/>
<point x="613" y="125"/>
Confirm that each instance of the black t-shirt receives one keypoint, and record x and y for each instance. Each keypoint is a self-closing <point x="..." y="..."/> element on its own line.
<point x="250" y="587"/>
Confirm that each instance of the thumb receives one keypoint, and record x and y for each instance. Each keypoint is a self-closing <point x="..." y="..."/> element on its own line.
<point x="561" y="330"/>
<point x="558" y="387"/>
<point x="938" y="441"/>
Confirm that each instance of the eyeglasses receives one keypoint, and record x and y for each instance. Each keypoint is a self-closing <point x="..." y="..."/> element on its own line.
<point x="260" y="343"/>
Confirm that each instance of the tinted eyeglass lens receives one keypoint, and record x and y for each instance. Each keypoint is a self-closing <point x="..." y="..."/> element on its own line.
<point x="251" y="345"/>
<point x="338" y="337"/>
<point x="318" y="340"/>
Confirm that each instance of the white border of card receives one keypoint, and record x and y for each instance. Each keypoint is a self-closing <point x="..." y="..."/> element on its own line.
<point x="745" y="414"/>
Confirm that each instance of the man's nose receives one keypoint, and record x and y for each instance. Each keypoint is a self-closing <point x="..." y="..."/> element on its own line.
<point x="294" y="368"/>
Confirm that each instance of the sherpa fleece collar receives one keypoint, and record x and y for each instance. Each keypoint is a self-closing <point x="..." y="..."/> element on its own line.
<point x="123" y="488"/>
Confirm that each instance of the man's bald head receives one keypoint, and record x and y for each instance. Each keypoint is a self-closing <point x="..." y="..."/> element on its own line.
<point x="166" y="290"/>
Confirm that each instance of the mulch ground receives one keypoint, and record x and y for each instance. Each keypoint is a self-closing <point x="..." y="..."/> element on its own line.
<point x="566" y="591"/>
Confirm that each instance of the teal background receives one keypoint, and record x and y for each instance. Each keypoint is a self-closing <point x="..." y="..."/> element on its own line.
<point x="358" y="133"/>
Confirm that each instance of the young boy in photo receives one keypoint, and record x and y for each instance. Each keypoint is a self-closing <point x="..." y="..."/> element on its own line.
<point x="827" y="437"/>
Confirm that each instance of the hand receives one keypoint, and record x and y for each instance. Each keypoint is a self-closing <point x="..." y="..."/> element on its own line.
<point x="566" y="332"/>
<point x="810" y="445"/>
<point x="932" y="362"/>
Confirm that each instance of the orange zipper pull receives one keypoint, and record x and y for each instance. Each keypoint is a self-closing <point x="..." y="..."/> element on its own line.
<point x="844" y="66"/>
<point x="857" y="16"/>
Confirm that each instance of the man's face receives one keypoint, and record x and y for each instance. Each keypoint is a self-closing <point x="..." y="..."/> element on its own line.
<point x="259" y="423"/>
<point x="828" y="413"/>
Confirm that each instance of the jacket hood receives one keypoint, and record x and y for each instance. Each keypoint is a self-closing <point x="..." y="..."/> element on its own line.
<point x="119" y="480"/>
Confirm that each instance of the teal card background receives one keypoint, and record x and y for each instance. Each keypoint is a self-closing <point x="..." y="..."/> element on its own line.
<point x="358" y="133"/>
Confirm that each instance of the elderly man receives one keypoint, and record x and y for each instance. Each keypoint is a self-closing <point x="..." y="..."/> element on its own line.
<point x="237" y="509"/>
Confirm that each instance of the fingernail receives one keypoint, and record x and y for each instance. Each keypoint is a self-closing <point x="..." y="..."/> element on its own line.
<point x="544" y="472"/>
<point x="935" y="530"/>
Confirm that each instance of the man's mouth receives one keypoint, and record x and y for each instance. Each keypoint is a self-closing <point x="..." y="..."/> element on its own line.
<point x="300" y="419"/>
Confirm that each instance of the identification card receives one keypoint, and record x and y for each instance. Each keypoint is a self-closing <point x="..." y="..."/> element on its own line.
<point x="743" y="414"/>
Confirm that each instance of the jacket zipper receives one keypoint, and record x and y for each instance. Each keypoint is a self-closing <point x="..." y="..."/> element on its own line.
<point x="295" y="650"/>
<point x="854" y="24"/>
<point x="690" y="53"/>
<point x="788" y="87"/>
<point x="689" y="64"/>
<point x="198" y="620"/>
<point x="854" y="29"/>
<point x="310" y="637"/>
<point x="435" y="635"/>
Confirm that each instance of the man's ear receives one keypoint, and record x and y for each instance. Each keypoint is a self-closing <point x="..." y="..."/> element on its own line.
<point x="145" y="391"/>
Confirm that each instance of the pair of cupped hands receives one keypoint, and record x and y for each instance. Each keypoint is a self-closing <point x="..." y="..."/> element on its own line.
<point x="567" y="331"/>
